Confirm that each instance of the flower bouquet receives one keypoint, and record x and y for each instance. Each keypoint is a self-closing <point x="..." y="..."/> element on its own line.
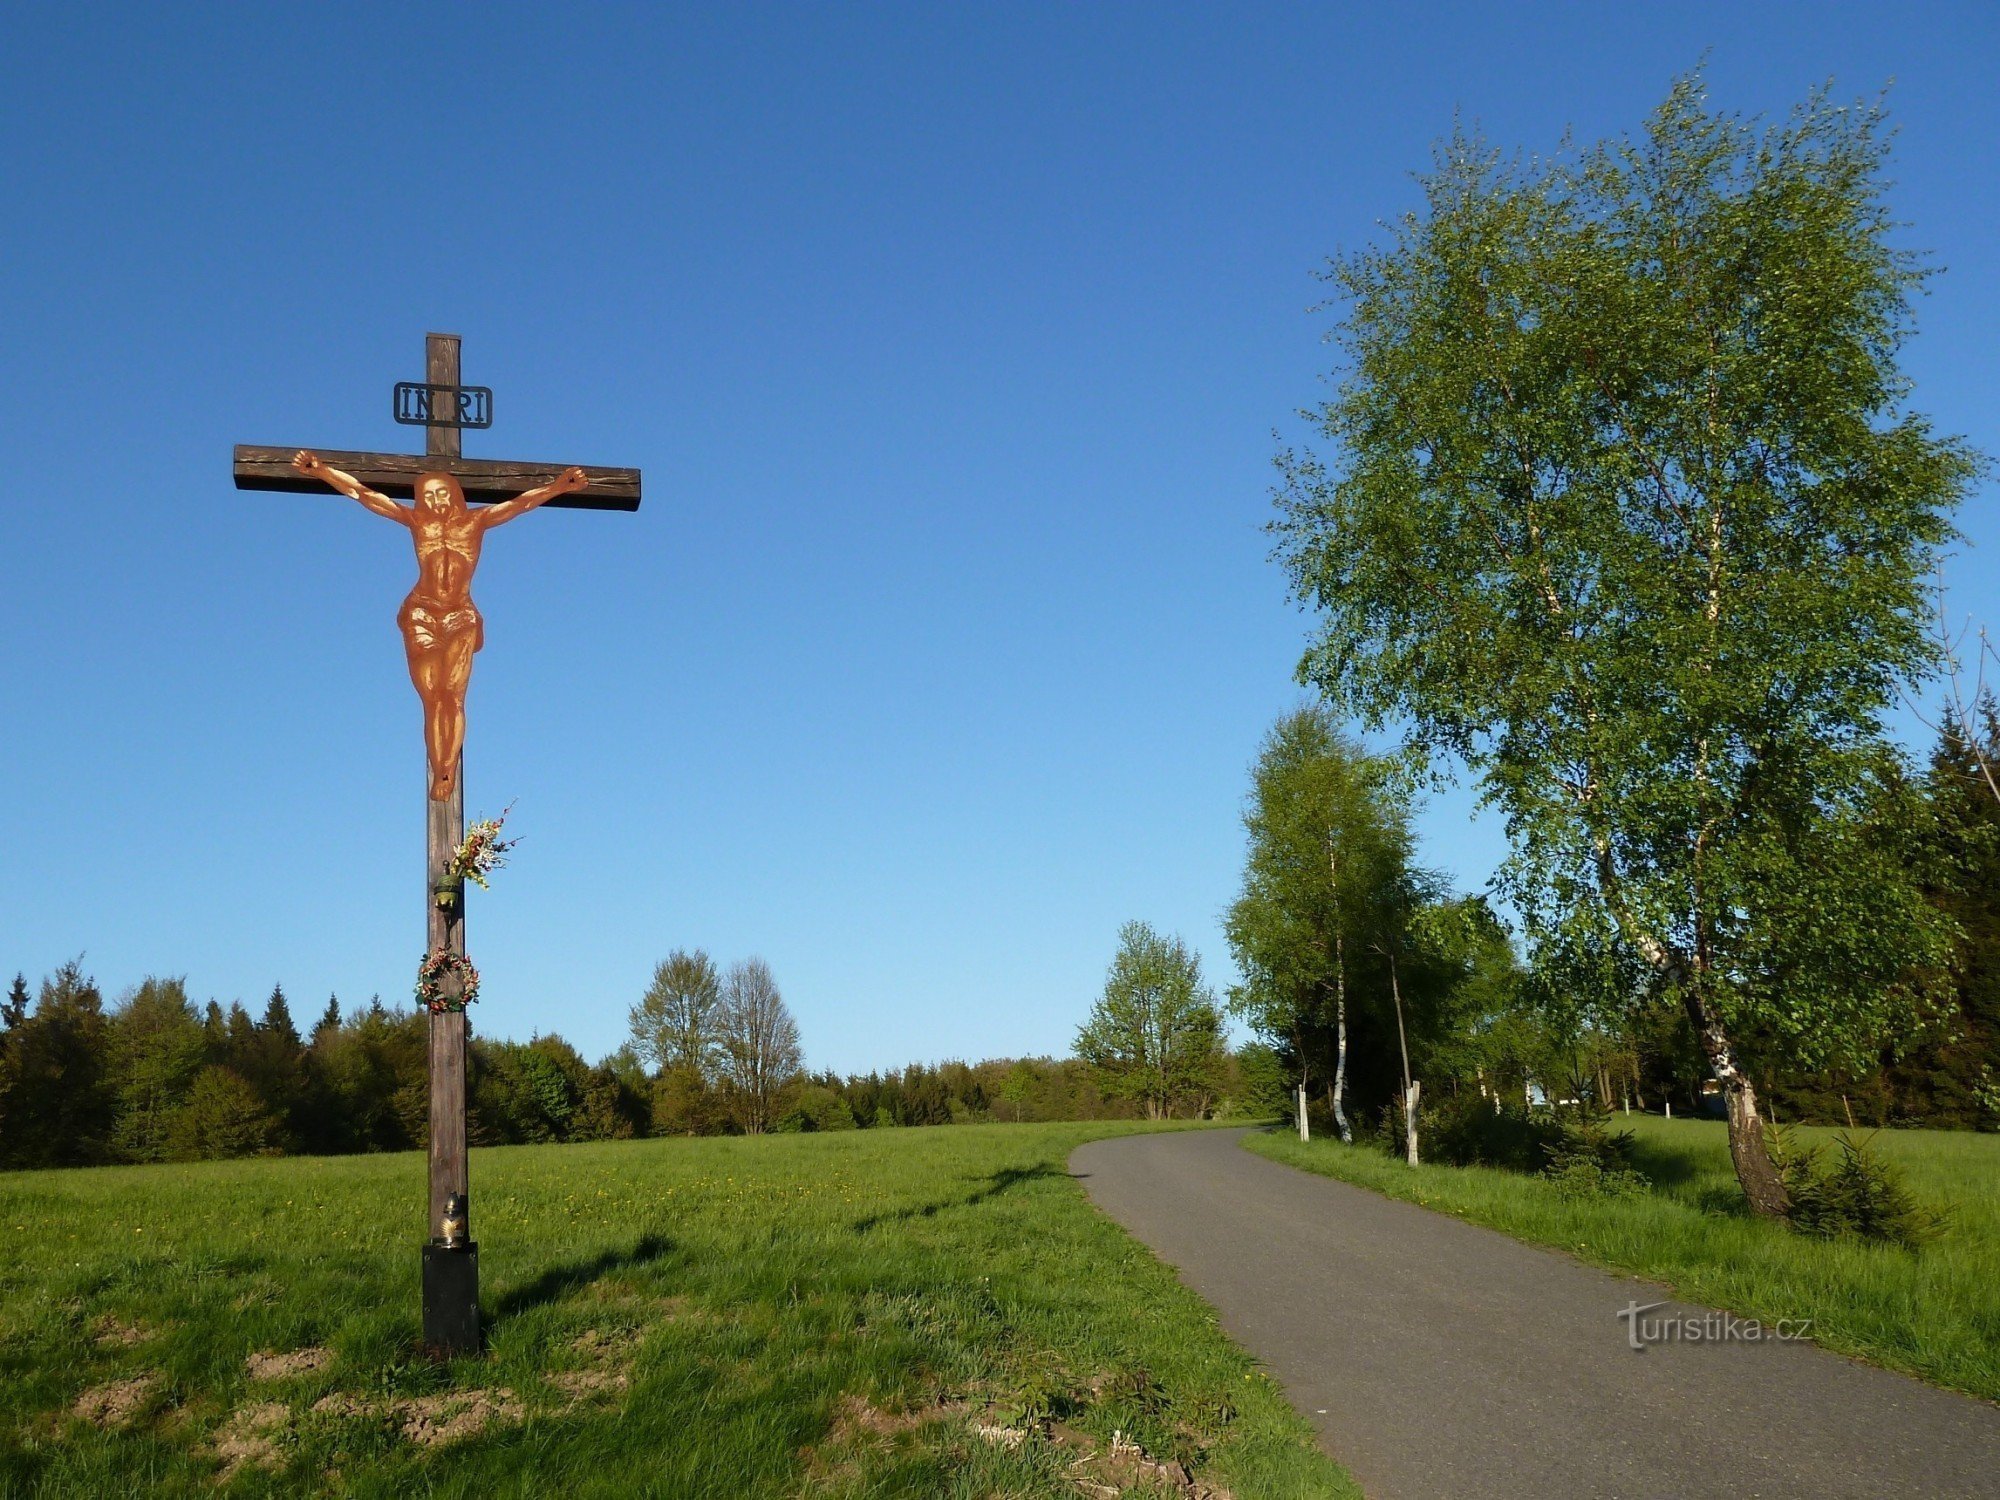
<point x="483" y="852"/>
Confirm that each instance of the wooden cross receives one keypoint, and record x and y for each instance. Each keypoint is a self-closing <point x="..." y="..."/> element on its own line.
<point x="451" y="1259"/>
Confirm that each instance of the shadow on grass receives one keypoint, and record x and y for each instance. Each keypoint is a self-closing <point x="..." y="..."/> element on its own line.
<point x="564" y="1280"/>
<point x="1677" y="1175"/>
<point x="1660" y="1165"/>
<point x="996" y="1183"/>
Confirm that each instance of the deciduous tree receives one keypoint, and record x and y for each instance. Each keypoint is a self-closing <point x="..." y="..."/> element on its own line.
<point x="1627" y="512"/>
<point x="676" y="1022"/>
<point x="1154" y="1034"/>
<point x="759" y="1043"/>
<point x="1329" y="854"/>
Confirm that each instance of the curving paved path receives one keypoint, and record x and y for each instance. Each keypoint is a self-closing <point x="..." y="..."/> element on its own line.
<point x="1443" y="1361"/>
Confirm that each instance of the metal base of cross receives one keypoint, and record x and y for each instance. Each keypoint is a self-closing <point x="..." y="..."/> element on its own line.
<point x="451" y="1299"/>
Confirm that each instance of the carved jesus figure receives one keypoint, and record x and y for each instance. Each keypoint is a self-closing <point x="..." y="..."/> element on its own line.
<point x="441" y="627"/>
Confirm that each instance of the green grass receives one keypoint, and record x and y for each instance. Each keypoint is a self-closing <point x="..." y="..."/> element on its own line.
<point x="823" y="1315"/>
<point x="1933" y="1312"/>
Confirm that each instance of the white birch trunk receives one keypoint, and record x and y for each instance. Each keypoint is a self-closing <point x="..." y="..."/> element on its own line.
<point x="1340" y="1067"/>
<point x="1339" y="999"/>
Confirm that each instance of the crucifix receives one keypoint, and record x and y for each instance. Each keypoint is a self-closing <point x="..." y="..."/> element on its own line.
<point x="441" y="630"/>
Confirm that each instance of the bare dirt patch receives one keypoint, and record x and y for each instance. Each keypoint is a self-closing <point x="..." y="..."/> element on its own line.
<point x="114" y="1332"/>
<point x="859" y="1423"/>
<point x="269" y="1366"/>
<point x="429" y="1421"/>
<point x="432" y="1421"/>
<point x="249" y="1439"/>
<point x="595" y="1343"/>
<point x="115" y="1403"/>
<point x="581" y="1384"/>
<point x="1127" y="1468"/>
<point x="857" y="1417"/>
<point x="340" y="1404"/>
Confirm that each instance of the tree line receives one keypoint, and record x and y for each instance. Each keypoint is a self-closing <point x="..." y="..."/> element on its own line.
<point x="720" y="1051"/>
<point x="150" y="1076"/>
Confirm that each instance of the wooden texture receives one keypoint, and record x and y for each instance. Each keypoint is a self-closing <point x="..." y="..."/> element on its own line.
<point x="444" y="832"/>
<point x="441" y="363"/>
<point x="485" y="480"/>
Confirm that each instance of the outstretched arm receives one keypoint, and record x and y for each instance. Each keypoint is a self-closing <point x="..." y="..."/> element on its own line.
<point x="309" y="464"/>
<point x="567" y="483"/>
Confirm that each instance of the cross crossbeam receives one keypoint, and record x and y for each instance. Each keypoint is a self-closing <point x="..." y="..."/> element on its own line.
<point x="484" y="480"/>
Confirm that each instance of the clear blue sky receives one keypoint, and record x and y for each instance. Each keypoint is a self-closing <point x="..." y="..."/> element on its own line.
<point x="951" y="339"/>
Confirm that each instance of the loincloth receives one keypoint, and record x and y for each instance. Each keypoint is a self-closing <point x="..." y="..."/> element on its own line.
<point x="428" y="623"/>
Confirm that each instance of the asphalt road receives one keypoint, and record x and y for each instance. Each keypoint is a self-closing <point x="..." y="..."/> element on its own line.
<point x="1442" y="1361"/>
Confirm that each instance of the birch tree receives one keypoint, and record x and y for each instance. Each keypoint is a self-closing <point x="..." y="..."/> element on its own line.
<point x="1625" y="511"/>
<point x="1329" y="853"/>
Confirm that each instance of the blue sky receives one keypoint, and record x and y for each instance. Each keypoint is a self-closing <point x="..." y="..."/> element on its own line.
<point x="952" y="341"/>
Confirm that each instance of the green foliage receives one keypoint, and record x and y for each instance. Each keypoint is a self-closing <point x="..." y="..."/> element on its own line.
<point x="1571" y="1147"/>
<point x="364" y="1073"/>
<point x="1259" y="1091"/>
<point x="1948" y="1076"/>
<point x="684" y="1104"/>
<point x="60" y="1099"/>
<point x="1859" y="1193"/>
<point x="615" y="1104"/>
<point x="1325" y="874"/>
<point x="1154" y="1034"/>
<point x="223" y="1117"/>
<point x="676" y="1023"/>
<point x="1015" y="1087"/>
<point x="1330" y="892"/>
<point x="537" y="1091"/>
<point x="1588" y="1160"/>
<point x="156" y="1050"/>
<point x="817" y="1107"/>
<point x="1473" y="1130"/>
<point x="1629" y="516"/>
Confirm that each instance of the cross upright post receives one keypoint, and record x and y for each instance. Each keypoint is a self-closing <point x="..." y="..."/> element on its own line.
<point x="451" y="1275"/>
<point x="442" y="629"/>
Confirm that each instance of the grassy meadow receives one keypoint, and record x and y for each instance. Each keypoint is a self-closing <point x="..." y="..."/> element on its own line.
<point x="1933" y="1312"/>
<point x="922" y="1313"/>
